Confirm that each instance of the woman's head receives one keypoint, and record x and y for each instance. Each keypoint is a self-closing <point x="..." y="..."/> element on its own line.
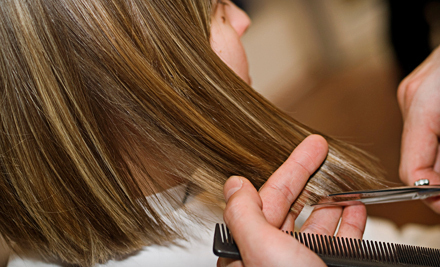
<point x="104" y="102"/>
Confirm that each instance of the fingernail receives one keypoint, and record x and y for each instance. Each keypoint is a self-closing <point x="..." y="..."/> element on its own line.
<point x="236" y="184"/>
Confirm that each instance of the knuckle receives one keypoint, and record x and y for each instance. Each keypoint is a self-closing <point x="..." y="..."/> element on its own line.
<point x="401" y="91"/>
<point x="406" y="90"/>
<point x="303" y="169"/>
<point x="411" y="87"/>
<point x="283" y="190"/>
<point x="353" y="229"/>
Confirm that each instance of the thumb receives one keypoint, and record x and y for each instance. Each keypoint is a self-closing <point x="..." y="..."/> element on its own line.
<point x="260" y="243"/>
<point x="244" y="204"/>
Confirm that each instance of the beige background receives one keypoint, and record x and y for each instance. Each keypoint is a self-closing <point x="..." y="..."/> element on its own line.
<point x="328" y="63"/>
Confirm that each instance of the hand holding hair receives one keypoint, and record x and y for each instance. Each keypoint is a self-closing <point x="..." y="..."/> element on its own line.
<point x="255" y="219"/>
<point x="419" y="100"/>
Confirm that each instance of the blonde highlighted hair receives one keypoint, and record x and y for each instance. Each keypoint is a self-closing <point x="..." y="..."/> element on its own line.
<point x="104" y="102"/>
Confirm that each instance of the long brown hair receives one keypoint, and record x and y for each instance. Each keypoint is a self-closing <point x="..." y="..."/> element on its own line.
<point x="104" y="102"/>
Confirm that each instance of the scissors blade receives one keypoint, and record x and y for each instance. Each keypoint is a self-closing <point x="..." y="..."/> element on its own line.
<point x="387" y="195"/>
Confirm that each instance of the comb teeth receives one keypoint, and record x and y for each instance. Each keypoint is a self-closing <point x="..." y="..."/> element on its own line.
<point x="226" y="236"/>
<point x="364" y="250"/>
<point x="224" y="245"/>
<point x="341" y="252"/>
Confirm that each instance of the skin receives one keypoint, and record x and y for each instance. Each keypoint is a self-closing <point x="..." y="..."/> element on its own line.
<point x="228" y="25"/>
<point x="419" y="100"/>
<point x="255" y="218"/>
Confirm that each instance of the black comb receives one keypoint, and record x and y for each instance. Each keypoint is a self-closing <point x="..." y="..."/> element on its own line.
<point x="341" y="252"/>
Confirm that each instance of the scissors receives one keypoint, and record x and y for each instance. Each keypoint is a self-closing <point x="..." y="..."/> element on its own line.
<point x="420" y="190"/>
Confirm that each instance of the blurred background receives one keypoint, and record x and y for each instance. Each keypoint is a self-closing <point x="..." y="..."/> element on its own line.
<point x="335" y="65"/>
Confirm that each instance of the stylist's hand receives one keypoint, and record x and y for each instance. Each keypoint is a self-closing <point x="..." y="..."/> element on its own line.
<point x="255" y="219"/>
<point x="419" y="100"/>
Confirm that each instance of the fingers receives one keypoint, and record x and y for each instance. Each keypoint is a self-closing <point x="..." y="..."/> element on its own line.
<point x="354" y="219"/>
<point x="284" y="186"/>
<point x="260" y="243"/>
<point x="412" y="83"/>
<point x="419" y="95"/>
<point x="420" y="145"/>
<point x="245" y="210"/>
<point x="420" y="153"/>
<point x="289" y="222"/>
<point x="322" y="221"/>
<point x="325" y="221"/>
<point x="244" y="216"/>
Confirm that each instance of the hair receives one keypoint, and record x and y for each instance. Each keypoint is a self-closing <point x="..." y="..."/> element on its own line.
<point x="104" y="102"/>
